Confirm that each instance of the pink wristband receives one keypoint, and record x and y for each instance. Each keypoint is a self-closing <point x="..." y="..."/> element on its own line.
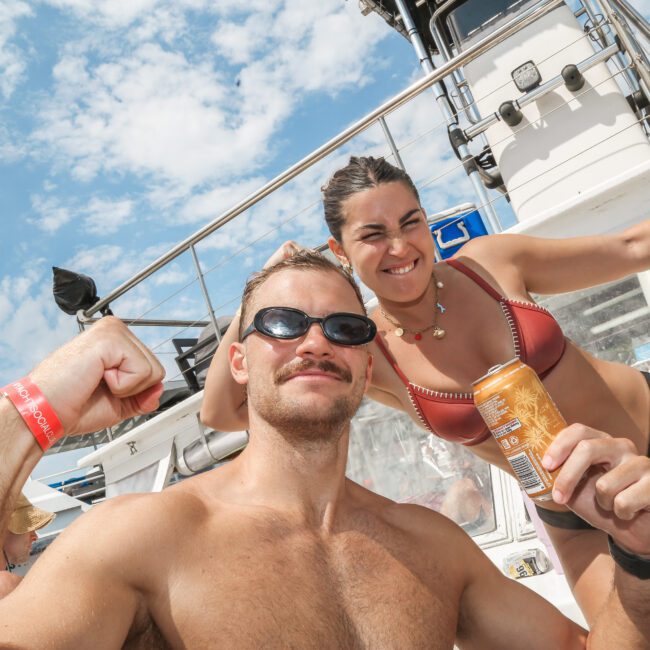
<point x="35" y="410"/>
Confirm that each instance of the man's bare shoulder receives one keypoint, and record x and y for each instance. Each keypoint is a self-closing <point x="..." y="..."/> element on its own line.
<point x="426" y="537"/>
<point x="135" y="512"/>
<point x="424" y="522"/>
<point x="124" y="529"/>
<point x="412" y="519"/>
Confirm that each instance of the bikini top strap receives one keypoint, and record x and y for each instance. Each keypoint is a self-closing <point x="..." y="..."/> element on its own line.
<point x="472" y="275"/>
<point x="389" y="357"/>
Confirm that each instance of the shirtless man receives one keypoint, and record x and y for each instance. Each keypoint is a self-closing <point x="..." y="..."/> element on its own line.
<point x="278" y="549"/>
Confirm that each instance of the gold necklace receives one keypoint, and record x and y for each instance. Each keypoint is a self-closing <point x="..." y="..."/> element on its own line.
<point x="438" y="332"/>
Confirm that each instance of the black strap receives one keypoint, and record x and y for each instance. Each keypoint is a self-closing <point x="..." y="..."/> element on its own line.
<point x="646" y="375"/>
<point x="8" y="565"/>
<point x="567" y="520"/>
<point x="637" y="566"/>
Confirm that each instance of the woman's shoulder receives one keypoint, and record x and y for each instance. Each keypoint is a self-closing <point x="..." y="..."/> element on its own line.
<point x="493" y="257"/>
<point x="483" y="249"/>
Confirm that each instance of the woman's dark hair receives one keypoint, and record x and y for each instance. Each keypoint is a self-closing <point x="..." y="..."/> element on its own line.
<point x="361" y="173"/>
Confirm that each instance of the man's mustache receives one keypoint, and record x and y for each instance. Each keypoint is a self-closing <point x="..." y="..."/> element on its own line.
<point x="285" y="373"/>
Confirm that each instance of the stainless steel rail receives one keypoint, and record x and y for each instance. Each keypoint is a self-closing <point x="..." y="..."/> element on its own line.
<point x="525" y="18"/>
<point x="637" y="56"/>
<point x="634" y="17"/>
<point x="450" y="117"/>
<point x="147" y="322"/>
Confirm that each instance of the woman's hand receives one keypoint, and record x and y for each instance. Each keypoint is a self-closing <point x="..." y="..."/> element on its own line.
<point x="605" y="481"/>
<point x="285" y="251"/>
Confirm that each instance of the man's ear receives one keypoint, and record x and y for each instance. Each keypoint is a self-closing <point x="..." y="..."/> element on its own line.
<point x="238" y="363"/>
<point x="368" y="372"/>
<point x="337" y="249"/>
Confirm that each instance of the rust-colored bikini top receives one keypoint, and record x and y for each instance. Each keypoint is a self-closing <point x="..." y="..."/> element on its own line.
<point x="538" y="341"/>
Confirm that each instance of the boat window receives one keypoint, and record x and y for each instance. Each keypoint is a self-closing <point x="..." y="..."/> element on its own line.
<point x="391" y="455"/>
<point x="479" y="17"/>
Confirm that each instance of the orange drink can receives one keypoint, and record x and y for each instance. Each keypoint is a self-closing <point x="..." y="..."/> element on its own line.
<point x="523" y="419"/>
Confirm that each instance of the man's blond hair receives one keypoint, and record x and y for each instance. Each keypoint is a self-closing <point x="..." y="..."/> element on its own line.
<point x="306" y="260"/>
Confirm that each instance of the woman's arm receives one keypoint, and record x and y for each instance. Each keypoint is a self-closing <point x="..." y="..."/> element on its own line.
<point x="224" y="400"/>
<point x="548" y="266"/>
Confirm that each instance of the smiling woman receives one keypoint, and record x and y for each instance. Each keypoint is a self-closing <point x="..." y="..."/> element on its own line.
<point x="379" y="229"/>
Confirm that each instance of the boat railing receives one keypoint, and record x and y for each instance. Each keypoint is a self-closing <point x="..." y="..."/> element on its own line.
<point x="85" y="488"/>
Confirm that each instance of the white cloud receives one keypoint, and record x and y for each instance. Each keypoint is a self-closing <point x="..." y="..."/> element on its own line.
<point x="51" y="215"/>
<point x="99" y="260"/>
<point x="31" y="325"/>
<point x="240" y="42"/>
<point x="151" y="113"/>
<point x="105" y="217"/>
<point x="110" y="264"/>
<point x="328" y="45"/>
<point x="114" y="13"/>
<point x="12" y="60"/>
<point x="171" y="275"/>
<point x="304" y="46"/>
<point x="101" y="216"/>
<point x="179" y="122"/>
<point x="237" y="7"/>
<point x="10" y="148"/>
<point x="206" y="206"/>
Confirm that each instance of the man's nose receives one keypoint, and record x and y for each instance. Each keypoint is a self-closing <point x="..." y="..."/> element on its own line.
<point x="314" y="343"/>
<point x="33" y="537"/>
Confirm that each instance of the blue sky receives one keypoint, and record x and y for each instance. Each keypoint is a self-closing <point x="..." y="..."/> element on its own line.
<point x="126" y="125"/>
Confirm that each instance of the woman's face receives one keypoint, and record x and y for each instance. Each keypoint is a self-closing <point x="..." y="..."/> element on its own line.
<point x="386" y="239"/>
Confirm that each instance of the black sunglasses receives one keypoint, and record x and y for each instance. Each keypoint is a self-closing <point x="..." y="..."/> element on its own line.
<point x="288" y="323"/>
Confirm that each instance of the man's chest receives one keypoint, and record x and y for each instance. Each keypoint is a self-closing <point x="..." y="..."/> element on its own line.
<point x="354" y="594"/>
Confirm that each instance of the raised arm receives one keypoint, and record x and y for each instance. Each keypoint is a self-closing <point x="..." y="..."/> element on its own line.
<point x="224" y="400"/>
<point x="548" y="266"/>
<point x="101" y="377"/>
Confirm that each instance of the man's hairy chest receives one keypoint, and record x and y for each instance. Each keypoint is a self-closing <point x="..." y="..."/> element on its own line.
<point x="286" y="589"/>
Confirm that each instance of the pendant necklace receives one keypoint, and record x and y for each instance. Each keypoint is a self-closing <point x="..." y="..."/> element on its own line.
<point x="437" y="331"/>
